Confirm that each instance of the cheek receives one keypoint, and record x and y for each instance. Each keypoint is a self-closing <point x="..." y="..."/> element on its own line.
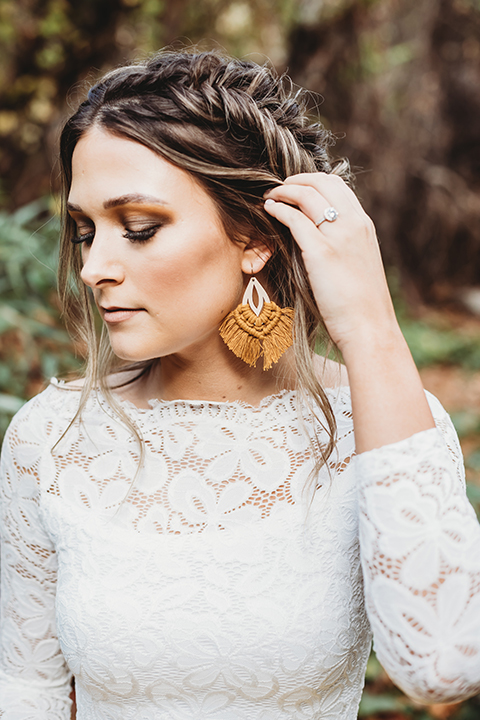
<point x="201" y="273"/>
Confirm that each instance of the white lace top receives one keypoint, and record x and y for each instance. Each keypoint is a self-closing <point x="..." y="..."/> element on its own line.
<point x="209" y="584"/>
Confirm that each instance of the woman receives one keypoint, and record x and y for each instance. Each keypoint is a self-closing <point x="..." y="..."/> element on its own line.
<point x="188" y="532"/>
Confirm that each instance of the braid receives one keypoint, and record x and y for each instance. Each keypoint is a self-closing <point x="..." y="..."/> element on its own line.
<point x="229" y="101"/>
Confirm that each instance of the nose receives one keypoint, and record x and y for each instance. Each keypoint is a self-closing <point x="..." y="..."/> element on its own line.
<point x="101" y="266"/>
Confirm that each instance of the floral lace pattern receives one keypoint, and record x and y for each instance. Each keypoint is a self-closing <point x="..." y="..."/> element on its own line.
<point x="207" y="583"/>
<point x="421" y="565"/>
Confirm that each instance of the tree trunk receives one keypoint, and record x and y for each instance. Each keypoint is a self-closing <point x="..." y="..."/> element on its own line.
<point x="401" y="81"/>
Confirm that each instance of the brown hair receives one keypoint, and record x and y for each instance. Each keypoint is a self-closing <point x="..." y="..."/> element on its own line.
<point x="239" y="129"/>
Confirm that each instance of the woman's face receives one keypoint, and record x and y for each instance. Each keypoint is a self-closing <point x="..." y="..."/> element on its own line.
<point x="163" y="272"/>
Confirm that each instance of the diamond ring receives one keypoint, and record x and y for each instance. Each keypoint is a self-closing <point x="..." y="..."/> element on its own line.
<point x="330" y="215"/>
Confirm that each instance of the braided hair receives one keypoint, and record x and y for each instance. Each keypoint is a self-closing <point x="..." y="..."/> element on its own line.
<point x="239" y="129"/>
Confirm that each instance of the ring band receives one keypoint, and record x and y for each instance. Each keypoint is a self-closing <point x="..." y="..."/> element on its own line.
<point x="330" y="215"/>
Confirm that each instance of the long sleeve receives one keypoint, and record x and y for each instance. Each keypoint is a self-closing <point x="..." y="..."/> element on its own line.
<point x="34" y="681"/>
<point x="420" y="546"/>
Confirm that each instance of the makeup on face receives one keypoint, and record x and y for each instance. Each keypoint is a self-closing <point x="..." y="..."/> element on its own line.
<point x="162" y="269"/>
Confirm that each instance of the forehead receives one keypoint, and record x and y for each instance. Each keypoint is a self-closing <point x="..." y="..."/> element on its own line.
<point x="106" y="165"/>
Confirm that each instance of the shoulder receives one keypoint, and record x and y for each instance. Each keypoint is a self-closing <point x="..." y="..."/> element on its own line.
<point x="330" y="374"/>
<point x="41" y="420"/>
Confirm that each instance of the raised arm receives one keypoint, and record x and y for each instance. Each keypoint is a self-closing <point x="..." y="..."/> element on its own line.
<point x="345" y="269"/>
<point x="419" y="536"/>
<point x="34" y="681"/>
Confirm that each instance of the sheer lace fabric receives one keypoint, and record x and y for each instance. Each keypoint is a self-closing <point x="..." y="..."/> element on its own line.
<point x="209" y="584"/>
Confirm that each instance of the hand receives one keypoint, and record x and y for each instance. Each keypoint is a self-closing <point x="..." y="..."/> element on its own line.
<point x="342" y="258"/>
<point x="345" y="269"/>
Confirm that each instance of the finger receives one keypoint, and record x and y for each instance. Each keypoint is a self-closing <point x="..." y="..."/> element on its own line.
<point x="330" y="186"/>
<point x="326" y="183"/>
<point x="301" y="227"/>
<point x="313" y="203"/>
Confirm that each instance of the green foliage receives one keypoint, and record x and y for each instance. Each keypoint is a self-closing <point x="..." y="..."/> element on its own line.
<point x="27" y="257"/>
<point x="466" y="422"/>
<point x="386" y="702"/>
<point x="33" y="344"/>
<point x="434" y="343"/>
<point x="432" y="339"/>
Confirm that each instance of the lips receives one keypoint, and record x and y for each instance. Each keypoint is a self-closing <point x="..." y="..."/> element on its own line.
<point x="116" y="308"/>
<point x="116" y="314"/>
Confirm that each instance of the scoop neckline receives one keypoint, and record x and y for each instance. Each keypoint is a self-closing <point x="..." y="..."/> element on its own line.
<point x="155" y="403"/>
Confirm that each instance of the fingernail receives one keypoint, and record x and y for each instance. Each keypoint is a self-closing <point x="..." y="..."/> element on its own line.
<point x="269" y="201"/>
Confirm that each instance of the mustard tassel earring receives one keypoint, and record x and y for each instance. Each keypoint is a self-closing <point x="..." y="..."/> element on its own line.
<point x="255" y="329"/>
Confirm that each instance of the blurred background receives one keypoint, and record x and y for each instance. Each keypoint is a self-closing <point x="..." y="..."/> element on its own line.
<point x="397" y="81"/>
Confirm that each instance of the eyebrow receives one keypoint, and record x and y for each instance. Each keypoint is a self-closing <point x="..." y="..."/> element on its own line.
<point x="122" y="200"/>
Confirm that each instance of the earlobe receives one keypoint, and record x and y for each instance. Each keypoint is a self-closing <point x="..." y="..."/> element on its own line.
<point x="255" y="256"/>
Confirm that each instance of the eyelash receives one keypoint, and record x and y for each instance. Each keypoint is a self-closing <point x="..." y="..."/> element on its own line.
<point x="133" y="235"/>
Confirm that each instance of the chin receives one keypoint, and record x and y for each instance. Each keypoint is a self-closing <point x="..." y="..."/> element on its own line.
<point x="133" y="357"/>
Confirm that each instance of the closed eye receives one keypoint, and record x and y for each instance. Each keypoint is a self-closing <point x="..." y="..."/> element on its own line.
<point x="141" y="235"/>
<point x="133" y="235"/>
<point x="83" y="238"/>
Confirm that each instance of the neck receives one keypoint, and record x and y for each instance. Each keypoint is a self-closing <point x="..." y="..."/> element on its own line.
<point x="221" y="378"/>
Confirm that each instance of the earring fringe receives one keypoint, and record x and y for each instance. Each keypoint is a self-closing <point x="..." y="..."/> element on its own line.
<point x="249" y="336"/>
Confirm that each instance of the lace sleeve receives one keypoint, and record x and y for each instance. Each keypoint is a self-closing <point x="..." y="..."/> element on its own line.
<point x="34" y="681"/>
<point x="420" y="544"/>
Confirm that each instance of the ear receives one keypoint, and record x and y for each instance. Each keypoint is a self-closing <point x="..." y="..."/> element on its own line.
<point x="256" y="254"/>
